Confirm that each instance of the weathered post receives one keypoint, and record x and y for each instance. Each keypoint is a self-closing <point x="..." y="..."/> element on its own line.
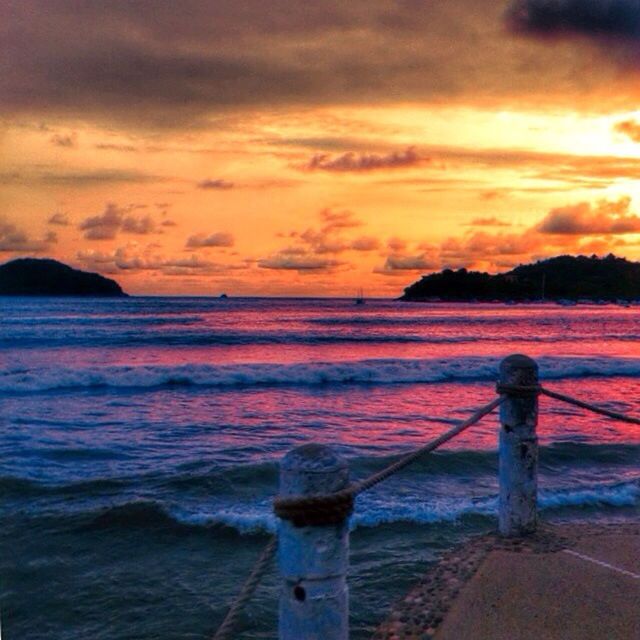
<point x="313" y="560"/>
<point x="518" y="446"/>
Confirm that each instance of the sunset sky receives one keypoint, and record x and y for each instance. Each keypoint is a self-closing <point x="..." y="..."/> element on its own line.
<point x="284" y="147"/>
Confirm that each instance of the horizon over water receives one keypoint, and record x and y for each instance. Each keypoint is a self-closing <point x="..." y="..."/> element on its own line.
<point x="141" y="439"/>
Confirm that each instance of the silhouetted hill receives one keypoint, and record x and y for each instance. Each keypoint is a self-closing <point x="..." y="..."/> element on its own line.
<point x="563" y="277"/>
<point x="37" y="277"/>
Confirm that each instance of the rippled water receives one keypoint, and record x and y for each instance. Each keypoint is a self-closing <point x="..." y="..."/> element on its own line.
<point x="141" y="437"/>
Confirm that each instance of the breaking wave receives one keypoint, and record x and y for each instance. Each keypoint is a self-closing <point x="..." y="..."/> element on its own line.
<point x="371" y="512"/>
<point x="368" y="372"/>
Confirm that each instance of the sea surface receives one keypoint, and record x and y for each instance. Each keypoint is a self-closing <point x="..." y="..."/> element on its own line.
<point x="140" y="440"/>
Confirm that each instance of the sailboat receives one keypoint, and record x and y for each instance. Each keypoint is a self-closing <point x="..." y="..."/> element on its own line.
<point x="360" y="297"/>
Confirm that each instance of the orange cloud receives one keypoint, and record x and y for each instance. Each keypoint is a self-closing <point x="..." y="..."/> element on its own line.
<point x="218" y="183"/>
<point x="300" y="263"/>
<point x="338" y="219"/>
<point x="219" y="239"/>
<point x="630" y="128"/>
<point x="396" y="244"/>
<point x="131" y="258"/>
<point x="311" y="247"/>
<point x="113" y="220"/>
<point x="14" y="239"/>
<point x="488" y="222"/>
<point x="584" y="219"/>
<point x="365" y="243"/>
<point x="68" y="140"/>
<point x="58" y="218"/>
<point x="364" y="162"/>
<point x="399" y="264"/>
<point x="564" y="229"/>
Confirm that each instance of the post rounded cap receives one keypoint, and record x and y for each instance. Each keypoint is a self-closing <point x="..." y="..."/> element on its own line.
<point x="518" y="368"/>
<point x="311" y="469"/>
<point x="313" y="458"/>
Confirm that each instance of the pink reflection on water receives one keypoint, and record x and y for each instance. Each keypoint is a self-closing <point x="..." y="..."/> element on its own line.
<point x="377" y="418"/>
<point x="388" y="420"/>
<point x="339" y="332"/>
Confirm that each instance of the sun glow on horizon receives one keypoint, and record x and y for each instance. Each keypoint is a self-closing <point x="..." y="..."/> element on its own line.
<point x="293" y="195"/>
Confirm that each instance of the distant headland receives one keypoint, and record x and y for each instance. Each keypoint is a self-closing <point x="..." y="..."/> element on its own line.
<point x="44" y="277"/>
<point x="564" y="278"/>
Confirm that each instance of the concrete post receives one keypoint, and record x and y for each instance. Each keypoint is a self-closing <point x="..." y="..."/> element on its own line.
<point x="313" y="561"/>
<point x="518" y="449"/>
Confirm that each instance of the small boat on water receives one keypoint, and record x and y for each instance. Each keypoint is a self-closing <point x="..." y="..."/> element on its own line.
<point x="360" y="297"/>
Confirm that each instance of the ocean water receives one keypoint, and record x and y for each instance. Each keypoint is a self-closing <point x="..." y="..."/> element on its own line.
<point x="140" y="440"/>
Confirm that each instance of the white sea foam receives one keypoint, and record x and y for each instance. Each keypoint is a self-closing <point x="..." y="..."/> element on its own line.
<point x="377" y="372"/>
<point x="373" y="511"/>
<point x="247" y="519"/>
<point x="624" y="494"/>
<point x="420" y="511"/>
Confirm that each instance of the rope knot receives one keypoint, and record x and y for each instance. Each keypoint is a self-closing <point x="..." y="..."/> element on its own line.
<point x="315" y="511"/>
<point x="519" y="390"/>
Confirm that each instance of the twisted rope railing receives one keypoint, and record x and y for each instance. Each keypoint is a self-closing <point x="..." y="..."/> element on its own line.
<point x="590" y="407"/>
<point x="248" y="589"/>
<point x="526" y="391"/>
<point x="333" y="508"/>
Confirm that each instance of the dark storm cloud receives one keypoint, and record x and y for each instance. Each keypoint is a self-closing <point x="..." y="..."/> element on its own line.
<point x="81" y="56"/>
<point x="148" y="64"/>
<point x="590" y="17"/>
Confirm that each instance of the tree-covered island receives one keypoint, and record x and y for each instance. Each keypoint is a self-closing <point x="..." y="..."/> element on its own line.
<point x="561" y="278"/>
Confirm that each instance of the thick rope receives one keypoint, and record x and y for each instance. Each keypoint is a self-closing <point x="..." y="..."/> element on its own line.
<point x="405" y="461"/>
<point x="318" y="510"/>
<point x="224" y="631"/>
<point x="519" y="390"/>
<point x="330" y="509"/>
<point x="335" y="507"/>
<point x="590" y="407"/>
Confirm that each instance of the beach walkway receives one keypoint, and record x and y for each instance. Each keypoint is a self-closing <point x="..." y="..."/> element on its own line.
<point x="563" y="583"/>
